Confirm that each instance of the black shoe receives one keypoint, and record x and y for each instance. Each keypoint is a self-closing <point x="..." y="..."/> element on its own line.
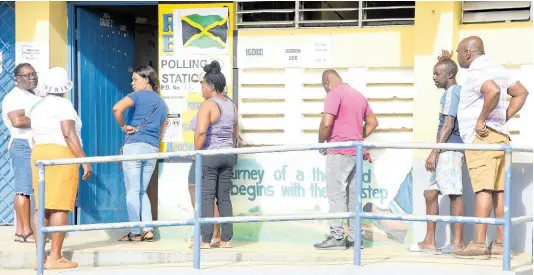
<point x="350" y="245"/>
<point x="330" y="243"/>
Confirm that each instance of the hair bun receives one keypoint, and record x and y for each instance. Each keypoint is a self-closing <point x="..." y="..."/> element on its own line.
<point x="214" y="67"/>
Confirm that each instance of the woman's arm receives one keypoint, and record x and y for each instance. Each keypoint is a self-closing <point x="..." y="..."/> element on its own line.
<point x="119" y="108"/>
<point x="68" y="130"/>
<point x="203" y="123"/>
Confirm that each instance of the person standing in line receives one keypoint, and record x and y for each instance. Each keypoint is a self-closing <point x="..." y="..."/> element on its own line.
<point x="20" y="145"/>
<point x="347" y="116"/>
<point x="56" y="129"/>
<point x="216" y="128"/>
<point x="143" y="135"/>
<point x="445" y="166"/>
<point x="483" y="114"/>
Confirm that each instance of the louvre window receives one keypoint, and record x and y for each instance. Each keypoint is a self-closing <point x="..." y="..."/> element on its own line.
<point x="323" y="14"/>
<point x="496" y="11"/>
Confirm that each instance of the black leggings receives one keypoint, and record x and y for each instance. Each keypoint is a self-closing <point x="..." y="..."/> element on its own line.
<point x="217" y="172"/>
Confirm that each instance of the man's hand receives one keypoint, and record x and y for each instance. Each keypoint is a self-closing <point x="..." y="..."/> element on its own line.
<point x="431" y="161"/>
<point x="444" y="55"/>
<point x="481" y="129"/>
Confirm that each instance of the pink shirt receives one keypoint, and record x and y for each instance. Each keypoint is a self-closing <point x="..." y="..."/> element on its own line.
<point x="350" y="109"/>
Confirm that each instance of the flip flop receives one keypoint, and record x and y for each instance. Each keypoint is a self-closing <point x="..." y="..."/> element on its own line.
<point x="17" y="238"/>
<point x="24" y="239"/>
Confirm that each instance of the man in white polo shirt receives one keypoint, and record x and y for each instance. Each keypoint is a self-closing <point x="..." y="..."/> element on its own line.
<point x="13" y="106"/>
<point x="482" y="115"/>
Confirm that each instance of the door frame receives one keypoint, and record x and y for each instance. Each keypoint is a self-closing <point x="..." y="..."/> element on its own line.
<point x="72" y="60"/>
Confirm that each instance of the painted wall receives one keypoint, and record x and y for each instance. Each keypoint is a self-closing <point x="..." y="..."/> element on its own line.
<point x="280" y="100"/>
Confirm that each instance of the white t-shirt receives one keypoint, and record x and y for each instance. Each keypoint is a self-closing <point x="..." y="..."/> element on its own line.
<point x="18" y="99"/>
<point x="46" y="116"/>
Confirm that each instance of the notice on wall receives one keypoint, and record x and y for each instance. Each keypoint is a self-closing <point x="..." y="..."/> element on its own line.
<point x="320" y="53"/>
<point x="257" y="55"/>
<point x="179" y="76"/>
<point x="290" y="55"/>
<point x="173" y="130"/>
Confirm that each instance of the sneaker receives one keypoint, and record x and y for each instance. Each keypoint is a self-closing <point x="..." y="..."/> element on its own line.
<point x="331" y="243"/>
<point x="496" y="250"/>
<point x="350" y="245"/>
<point x="473" y="251"/>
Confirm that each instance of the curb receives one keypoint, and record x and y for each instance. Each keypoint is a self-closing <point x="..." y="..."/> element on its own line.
<point x="26" y="260"/>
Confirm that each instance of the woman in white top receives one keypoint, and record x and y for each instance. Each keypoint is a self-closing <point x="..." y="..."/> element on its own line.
<point x="56" y="131"/>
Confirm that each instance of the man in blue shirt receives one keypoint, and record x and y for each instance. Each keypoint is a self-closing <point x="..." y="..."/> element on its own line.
<point x="445" y="166"/>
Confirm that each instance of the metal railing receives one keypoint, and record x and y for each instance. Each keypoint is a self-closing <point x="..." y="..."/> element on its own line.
<point x="357" y="217"/>
<point x="322" y="14"/>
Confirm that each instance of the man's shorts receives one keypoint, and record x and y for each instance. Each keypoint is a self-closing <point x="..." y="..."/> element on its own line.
<point x="20" y="152"/>
<point x="447" y="179"/>
<point x="486" y="168"/>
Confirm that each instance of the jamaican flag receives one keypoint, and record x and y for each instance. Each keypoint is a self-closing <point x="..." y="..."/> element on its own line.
<point x="204" y="31"/>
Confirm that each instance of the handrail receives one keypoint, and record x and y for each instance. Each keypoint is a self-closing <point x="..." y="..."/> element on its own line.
<point x="358" y="215"/>
<point x="289" y="148"/>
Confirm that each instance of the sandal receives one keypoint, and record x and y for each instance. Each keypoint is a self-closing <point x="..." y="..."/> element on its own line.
<point x="60" y="263"/>
<point x="17" y="238"/>
<point x="24" y="239"/>
<point x="131" y="238"/>
<point x="148" y="239"/>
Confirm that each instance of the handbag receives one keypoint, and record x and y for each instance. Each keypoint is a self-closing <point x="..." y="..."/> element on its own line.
<point x="121" y="151"/>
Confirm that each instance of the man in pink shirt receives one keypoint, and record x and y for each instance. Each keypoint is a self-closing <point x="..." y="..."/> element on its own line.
<point x="347" y="116"/>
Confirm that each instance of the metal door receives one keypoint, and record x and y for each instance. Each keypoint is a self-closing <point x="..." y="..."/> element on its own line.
<point x="7" y="82"/>
<point x="105" y="57"/>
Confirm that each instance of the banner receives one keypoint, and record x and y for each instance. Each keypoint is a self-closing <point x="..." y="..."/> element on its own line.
<point x="191" y="36"/>
<point x="292" y="183"/>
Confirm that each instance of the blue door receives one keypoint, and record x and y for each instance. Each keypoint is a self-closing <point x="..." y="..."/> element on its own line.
<point x="7" y="82"/>
<point x="105" y="61"/>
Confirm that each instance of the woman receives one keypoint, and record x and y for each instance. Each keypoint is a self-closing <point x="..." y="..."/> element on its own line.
<point x="216" y="128"/>
<point x="143" y="135"/>
<point x="216" y="239"/>
<point x="56" y="131"/>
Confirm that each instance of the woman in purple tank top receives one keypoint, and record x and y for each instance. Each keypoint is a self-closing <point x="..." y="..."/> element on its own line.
<point x="216" y="128"/>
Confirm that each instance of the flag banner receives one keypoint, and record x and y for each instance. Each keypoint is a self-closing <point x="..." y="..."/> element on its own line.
<point x="201" y="31"/>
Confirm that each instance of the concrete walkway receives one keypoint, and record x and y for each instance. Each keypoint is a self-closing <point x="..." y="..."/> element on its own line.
<point x="97" y="249"/>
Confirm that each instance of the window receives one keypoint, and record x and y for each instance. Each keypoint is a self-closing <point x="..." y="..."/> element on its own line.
<point x="496" y="11"/>
<point x="323" y="14"/>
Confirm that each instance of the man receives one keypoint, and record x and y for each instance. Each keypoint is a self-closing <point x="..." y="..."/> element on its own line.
<point x="482" y="114"/>
<point x="445" y="166"/>
<point x="345" y="111"/>
<point x="13" y="106"/>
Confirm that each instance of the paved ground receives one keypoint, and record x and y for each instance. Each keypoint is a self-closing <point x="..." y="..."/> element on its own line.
<point x="98" y="253"/>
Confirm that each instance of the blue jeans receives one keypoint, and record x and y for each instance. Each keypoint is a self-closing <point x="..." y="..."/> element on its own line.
<point x="20" y="153"/>
<point x="137" y="176"/>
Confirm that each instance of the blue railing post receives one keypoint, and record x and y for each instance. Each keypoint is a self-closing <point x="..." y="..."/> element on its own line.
<point x="198" y="201"/>
<point x="358" y="220"/>
<point x="507" y="240"/>
<point x="40" y="221"/>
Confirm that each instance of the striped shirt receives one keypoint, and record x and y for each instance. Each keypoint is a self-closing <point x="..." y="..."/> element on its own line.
<point x="471" y="99"/>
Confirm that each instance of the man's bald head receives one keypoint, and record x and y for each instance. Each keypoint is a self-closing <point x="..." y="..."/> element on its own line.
<point x="331" y="80"/>
<point x="469" y="49"/>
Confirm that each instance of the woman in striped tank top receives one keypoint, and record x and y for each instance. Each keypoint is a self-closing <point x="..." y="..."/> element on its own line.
<point x="216" y="129"/>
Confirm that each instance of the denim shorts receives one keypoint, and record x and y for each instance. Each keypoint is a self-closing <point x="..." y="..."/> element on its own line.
<point x="20" y="152"/>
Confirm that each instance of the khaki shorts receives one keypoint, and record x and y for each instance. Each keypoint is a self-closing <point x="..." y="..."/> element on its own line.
<point x="486" y="168"/>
